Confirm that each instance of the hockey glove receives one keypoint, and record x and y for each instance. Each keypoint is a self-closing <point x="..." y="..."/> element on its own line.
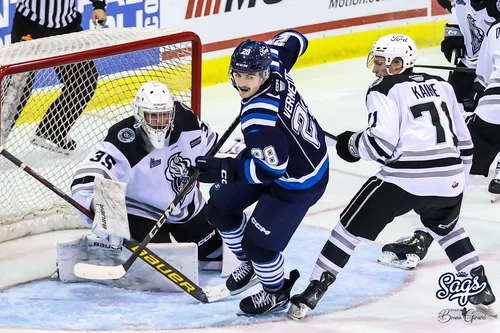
<point x="214" y="170"/>
<point x="453" y="41"/>
<point x="477" y="92"/>
<point x="345" y="152"/>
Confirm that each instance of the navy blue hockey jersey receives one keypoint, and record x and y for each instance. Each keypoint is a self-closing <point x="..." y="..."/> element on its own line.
<point x="285" y="143"/>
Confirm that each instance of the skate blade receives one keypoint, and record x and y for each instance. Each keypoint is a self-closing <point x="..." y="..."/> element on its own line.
<point x="487" y="310"/>
<point x="298" y="312"/>
<point x="389" y="259"/>
<point x="494" y="197"/>
<point x="254" y="281"/>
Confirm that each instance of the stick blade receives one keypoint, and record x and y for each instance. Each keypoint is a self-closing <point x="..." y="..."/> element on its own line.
<point x="96" y="272"/>
<point x="216" y="293"/>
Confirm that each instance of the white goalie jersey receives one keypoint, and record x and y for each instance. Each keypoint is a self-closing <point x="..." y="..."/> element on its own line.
<point x="417" y="132"/>
<point x="154" y="177"/>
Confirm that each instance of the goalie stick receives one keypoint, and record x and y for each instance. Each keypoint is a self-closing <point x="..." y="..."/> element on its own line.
<point x="204" y="295"/>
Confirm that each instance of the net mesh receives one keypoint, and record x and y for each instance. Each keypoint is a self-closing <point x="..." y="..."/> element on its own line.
<point x="51" y="118"/>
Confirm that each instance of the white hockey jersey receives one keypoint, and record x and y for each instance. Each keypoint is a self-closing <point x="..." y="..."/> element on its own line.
<point x="153" y="176"/>
<point x="488" y="74"/>
<point x="473" y="22"/>
<point x="417" y="132"/>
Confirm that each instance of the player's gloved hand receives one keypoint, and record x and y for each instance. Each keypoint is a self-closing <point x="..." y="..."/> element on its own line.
<point x="453" y="41"/>
<point x="214" y="170"/>
<point x="477" y="92"/>
<point x="233" y="147"/>
<point x="115" y="241"/>
<point x="342" y="145"/>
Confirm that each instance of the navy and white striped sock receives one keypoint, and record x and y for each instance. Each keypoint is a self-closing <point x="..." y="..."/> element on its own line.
<point x="271" y="274"/>
<point x="233" y="238"/>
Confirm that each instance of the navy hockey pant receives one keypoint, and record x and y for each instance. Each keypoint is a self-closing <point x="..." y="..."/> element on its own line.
<point x="274" y="220"/>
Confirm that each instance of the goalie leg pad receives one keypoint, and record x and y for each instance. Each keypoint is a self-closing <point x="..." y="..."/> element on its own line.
<point x="141" y="276"/>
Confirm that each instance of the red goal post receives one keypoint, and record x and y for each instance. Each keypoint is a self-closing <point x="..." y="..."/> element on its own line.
<point x="125" y="58"/>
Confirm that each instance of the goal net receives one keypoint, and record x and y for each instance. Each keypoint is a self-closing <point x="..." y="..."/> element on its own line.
<point x="76" y="86"/>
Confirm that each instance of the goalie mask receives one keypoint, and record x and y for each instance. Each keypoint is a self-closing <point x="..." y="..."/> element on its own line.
<point x="154" y="111"/>
<point x="394" y="46"/>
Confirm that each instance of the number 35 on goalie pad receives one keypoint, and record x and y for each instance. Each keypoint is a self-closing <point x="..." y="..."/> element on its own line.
<point x="141" y="276"/>
<point x="110" y="220"/>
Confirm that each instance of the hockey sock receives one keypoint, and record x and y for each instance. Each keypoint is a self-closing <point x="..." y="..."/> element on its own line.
<point x="458" y="248"/>
<point x="233" y="238"/>
<point x="271" y="274"/>
<point x="336" y="252"/>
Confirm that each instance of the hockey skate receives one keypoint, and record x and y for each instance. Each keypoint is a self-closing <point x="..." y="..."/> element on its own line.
<point x="243" y="278"/>
<point x="483" y="301"/>
<point x="65" y="147"/>
<point x="264" y="302"/>
<point x="494" y="189"/>
<point x="309" y="298"/>
<point x="406" y="252"/>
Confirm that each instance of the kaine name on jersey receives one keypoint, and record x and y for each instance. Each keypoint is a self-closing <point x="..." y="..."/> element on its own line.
<point x="153" y="176"/>
<point x="417" y="132"/>
<point x="285" y="143"/>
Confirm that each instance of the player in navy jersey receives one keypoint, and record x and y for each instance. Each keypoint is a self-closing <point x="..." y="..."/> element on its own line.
<point x="284" y="169"/>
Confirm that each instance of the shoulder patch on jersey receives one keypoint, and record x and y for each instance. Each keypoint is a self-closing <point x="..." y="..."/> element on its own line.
<point x="279" y="85"/>
<point x="127" y="140"/>
<point x="126" y="135"/>
<point x="195" y="142"/>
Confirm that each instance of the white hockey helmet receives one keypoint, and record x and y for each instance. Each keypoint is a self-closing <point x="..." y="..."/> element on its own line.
<point x="154" y="111"/>
<point x="394" y="46"/>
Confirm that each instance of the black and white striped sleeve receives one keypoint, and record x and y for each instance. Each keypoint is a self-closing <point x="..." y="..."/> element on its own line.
<point x="379" y="140"/>
<point x="105" y="161"/>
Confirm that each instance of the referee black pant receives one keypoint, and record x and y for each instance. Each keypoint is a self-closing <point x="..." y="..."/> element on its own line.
<point x="79" y="82"/>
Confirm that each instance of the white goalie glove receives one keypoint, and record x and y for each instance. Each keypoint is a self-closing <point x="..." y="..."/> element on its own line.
<point x="233" y="147"/>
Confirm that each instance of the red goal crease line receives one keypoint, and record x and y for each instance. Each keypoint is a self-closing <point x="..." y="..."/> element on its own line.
<point x="325" y="26"/>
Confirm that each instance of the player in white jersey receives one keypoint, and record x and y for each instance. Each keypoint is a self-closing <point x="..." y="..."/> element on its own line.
<point x="416" y="131"/>
<point x="464" y="36"/>
<point x="153" y="153"/>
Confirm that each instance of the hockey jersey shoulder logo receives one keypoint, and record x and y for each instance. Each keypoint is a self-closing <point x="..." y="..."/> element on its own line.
<point x="126" y="135"/>
<point x="177" y="172"/>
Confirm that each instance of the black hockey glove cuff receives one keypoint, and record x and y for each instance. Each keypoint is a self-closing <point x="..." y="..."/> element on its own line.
<point x="453" y="41"/>
<point x="347" y="146"/>
<point x="214" y="170"/>
<point x="470" y="104"/>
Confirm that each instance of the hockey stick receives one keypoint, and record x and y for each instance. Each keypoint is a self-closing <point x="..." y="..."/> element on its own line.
<point x="448" y="68"/>
<point x="205" y="295"/>
<point x="96" y="272"/>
